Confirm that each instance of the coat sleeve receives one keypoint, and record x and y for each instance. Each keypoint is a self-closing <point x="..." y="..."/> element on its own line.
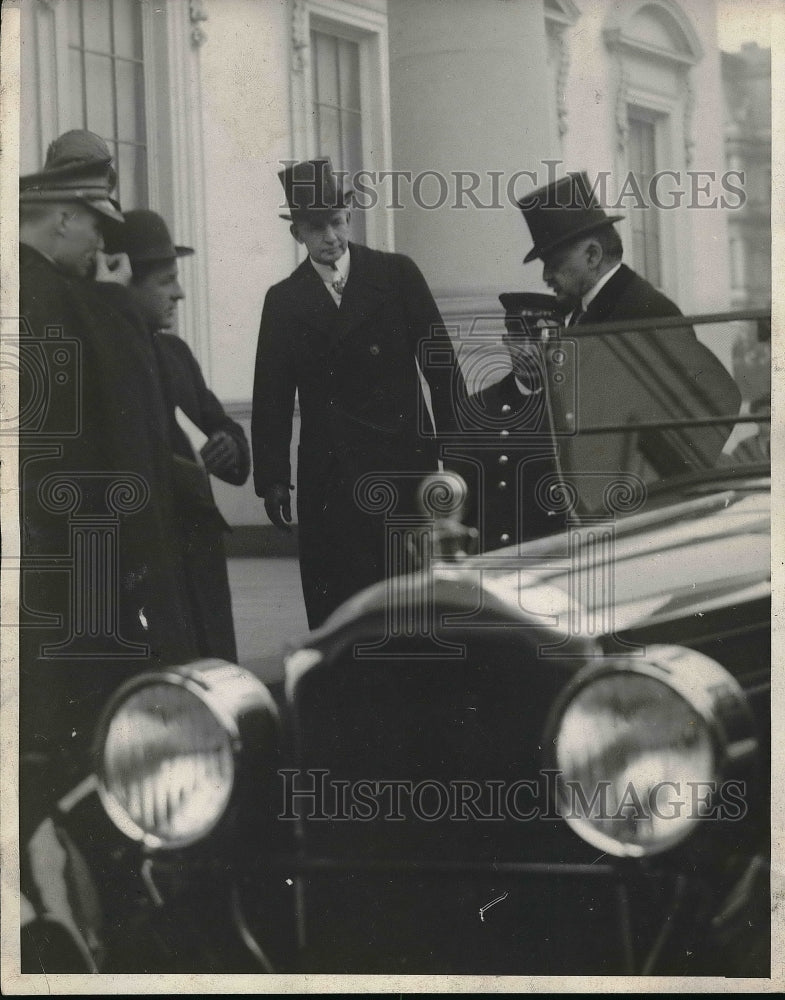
<point x="273" y="398"/>
<point x="431" y="344"/>
<point x="213" y="417"/>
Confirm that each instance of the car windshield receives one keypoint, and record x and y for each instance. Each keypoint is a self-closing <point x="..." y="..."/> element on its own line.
<point x="605" y="418"/>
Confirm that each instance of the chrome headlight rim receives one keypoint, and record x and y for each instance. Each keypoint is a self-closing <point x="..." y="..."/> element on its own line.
<point x="705" y="686"/>
<point x="193" y="678"/>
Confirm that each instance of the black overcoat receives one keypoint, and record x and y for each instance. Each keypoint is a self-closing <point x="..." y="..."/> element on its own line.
<point x="507" y="457"/>
<point x="630" y="378"/>
<point x="103" y="588"/>
<point x="201" y="523"/>
<point x="362" y="411"/>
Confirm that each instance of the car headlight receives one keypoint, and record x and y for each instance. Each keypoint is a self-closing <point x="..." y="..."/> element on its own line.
<point x="171" y="747"/>
<point x="641" y="748"/>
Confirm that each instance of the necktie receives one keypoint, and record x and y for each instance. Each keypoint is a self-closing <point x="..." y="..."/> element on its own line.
<point x="338" y="286"/>
<point x="577" y="316"/>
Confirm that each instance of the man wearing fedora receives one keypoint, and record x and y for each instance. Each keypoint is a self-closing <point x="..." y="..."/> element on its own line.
<point x="155" y="291"/>
<point x="633" y="377"/>
<point x="92" y="423"/>
<point x="344" y="331"/>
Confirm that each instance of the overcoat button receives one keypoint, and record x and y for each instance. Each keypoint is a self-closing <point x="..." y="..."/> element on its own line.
<point x="374" y="349"/>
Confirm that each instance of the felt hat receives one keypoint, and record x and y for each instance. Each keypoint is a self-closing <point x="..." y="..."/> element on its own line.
<point x="145" y="237"/>
<point x="311" y="186"/>
<point x="562" y="212"/>
<point x="78" y="168"/>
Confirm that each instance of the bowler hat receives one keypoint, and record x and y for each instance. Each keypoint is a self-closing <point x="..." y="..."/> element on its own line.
<point x="145" y="237"/>
<point x="79" y="168"/>
<point x="311" y="186"/>
<point x="561" y="213"/>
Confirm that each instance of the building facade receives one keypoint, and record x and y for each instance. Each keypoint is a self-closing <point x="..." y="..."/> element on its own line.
<point x="443" y="111"/>
<point x="746" y="79"/>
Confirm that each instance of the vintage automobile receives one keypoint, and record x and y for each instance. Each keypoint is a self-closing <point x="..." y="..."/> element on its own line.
<point x="550" y="758"/>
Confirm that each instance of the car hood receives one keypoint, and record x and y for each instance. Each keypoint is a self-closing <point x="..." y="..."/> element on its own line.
<point x="710" y="549"/>
<point x="686" y="558"/>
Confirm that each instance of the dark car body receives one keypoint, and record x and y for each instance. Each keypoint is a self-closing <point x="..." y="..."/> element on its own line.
<point x="546" y="759"/>
<point x="336" y="851"/>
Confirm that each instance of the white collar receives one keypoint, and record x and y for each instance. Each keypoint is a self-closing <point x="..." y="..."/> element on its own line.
<point x="329" y="274"/>
<point x="594" y="291"/>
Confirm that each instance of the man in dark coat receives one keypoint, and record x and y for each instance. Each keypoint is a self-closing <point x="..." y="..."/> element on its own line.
<point x="103" y="591"/>
<point x="155" y="290"/>
<point x="345" y="332"/>
<point x="622" y="377"/>
<point x="507" y="455"/>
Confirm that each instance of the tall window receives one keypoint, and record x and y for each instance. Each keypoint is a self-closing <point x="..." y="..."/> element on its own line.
<point x="644" y="220"/>
<point x="337" y="106"/>
<point x="106" y="73"/>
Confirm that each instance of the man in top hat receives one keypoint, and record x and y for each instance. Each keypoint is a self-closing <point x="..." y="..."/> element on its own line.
<point x="95" y="460"/>
<point x="623" y="377"/>
<point x="155" y="290"/>
<point x="344" y="331"/>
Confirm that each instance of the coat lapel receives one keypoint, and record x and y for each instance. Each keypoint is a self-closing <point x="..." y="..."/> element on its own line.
<point x="368" y="285"/>
<point x="601" y="307"/>
<point x="312" y="308"/>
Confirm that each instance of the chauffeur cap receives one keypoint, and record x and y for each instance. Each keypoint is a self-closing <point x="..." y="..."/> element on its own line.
<point x="78" y="168"/>
<point x="311" y="186"/>
<point x="562" y="212"/>
<point x="528" y="313"/>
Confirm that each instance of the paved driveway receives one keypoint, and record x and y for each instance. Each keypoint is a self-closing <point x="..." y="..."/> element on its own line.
<point x="269" y="613"/>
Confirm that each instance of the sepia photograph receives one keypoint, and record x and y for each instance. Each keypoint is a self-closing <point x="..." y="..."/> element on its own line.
<point x="386" y="496"/>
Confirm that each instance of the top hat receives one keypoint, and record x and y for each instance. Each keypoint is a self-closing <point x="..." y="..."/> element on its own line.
<point x="145" y="237"/>
<point x="311" y="186"/>
<point x="561" y="213"/>
<point x="78" y="168"/>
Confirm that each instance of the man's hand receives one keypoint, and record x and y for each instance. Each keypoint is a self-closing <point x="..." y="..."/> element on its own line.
<point x="278" y="505"/>
<point x="115" y="267"/>
<point x="220" y="453"/>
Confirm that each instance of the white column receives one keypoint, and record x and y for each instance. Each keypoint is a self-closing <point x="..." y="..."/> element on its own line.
<point x="469" y="90"/>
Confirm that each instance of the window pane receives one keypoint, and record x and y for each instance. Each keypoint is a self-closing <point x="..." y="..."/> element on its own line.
<point x="352" y="145"/>
<point x="644" y="220"/>
<point x="100" y="117"/>
<point x="132" y="174"/>
<point x="96" y="25"/>
<point x="329" y="135"/>
<point x="349" y="71"/>
<point x="76" y="119"/>
<point x="130" y="101"/>
<point x="325" y="68"/>
<point x="74" y="23"/>
<point x="128" y="28"/>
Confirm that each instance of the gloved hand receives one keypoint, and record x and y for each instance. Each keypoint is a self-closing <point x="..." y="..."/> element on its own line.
<point x="278" y="505"/>
<point x="219" y="453"/>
